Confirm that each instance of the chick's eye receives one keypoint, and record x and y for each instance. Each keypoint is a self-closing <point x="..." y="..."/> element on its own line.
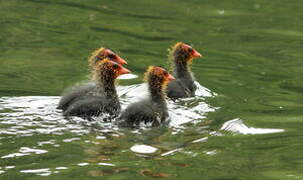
<point x="165" y="73"/>
<point x="111" y="56"/>
<point x="115" y="66"/>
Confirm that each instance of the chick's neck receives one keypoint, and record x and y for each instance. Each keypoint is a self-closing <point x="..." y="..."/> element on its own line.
<point x="105" y="84"/>
<point x="182" y="69"/>
<point x="156" y="89"/>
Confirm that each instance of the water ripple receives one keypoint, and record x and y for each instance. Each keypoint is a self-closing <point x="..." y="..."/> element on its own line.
<point x="104" y="10"/>
<point x="41" y="172"/>
<point x="130" y="34"/>
<point x="24" y="151"/>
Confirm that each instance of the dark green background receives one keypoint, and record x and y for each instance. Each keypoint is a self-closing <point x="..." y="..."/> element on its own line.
<point x="253" y="60"/>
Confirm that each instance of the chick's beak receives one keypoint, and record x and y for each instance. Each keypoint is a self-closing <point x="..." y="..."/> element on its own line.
<point x="120" y="60"/>
<point x="170" y="77"/>
<point x="196" y="54"/>
<point x="123" y="70"/>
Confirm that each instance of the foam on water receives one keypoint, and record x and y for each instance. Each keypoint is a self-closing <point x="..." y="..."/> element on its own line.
<point x="144" y="149"/>
<point x="21" y="114"/>
<point x="41" y="172"/>
<point x="178" y="112"/>
<point x="24" y="151"/>
<point x="106" y="164"/>
<point x="237" y="126"/>
<point x="24" y="113"/>
<point x="128" y="76"/>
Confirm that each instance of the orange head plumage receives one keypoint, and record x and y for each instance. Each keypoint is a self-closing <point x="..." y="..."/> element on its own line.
<point x="184" y="52"/>
<point x="108" y="69"/>
<point x="157" y="76"/>
<point x="104" y="53"/>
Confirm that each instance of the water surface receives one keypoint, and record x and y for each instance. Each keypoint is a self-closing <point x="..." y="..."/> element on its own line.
<point x="252" y="68"/>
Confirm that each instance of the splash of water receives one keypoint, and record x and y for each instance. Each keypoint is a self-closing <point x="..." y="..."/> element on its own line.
<point x="21" y="114"/>
<point x="237" y="126"/>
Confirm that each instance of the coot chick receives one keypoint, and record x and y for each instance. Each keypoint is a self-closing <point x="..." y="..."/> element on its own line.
<point x="152" y="109"/>
<point x="104" y="53"/>
<point x="182" y="56"/>
<point x="103" y="98"/>
<point x="80" y="90"/>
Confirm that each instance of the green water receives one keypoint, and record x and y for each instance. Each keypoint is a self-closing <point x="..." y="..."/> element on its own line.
<point x="252" y="60"/>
